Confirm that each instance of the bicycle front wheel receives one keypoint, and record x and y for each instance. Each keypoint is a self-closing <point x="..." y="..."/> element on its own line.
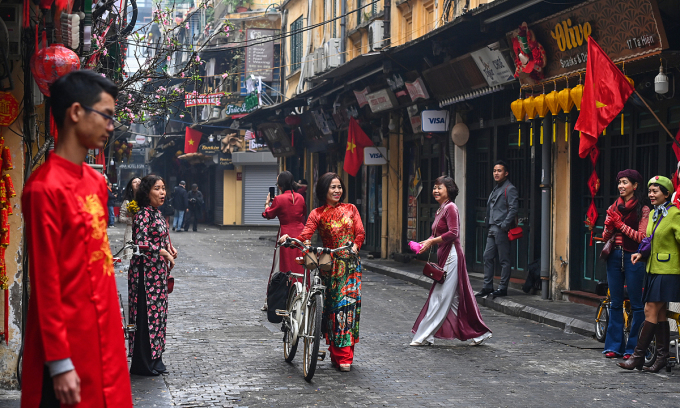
<point x="290" y="338"/>
<point x="312" y="336"/>
<point x="602" y="319"/>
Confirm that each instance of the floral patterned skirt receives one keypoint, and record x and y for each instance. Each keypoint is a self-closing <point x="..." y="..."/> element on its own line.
<point x="342" y="305"/>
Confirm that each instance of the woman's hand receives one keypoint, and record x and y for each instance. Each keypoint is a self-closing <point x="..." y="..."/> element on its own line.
<point x="355" y="249"/>
<point x="425" y="245"/>
<point x="173" y="251"/>
<point x="635" y="258"/>
<point x="268" y="201"/>
<point x="283" y="238"/>
<point x="168" y="258"/>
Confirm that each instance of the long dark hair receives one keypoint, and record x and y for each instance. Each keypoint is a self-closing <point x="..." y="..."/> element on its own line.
<point x="451" y="187"/>
<point x="324" y="183"/>
<point x="286" y="182"/>
<point x="142" y="195"/>
<point x="128" y="193"/>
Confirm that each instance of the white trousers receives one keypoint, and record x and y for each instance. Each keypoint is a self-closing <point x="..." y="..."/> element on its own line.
<point x="444" y="297"/>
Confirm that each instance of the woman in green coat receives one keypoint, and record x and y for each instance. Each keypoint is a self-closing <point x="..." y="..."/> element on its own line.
<point x="662" y="281"/>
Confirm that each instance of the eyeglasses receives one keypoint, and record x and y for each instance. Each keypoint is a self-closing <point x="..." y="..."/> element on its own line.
<point x="109" y="117"/>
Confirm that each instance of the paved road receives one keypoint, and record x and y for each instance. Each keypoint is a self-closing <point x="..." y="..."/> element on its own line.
<point x="222" y="352"/>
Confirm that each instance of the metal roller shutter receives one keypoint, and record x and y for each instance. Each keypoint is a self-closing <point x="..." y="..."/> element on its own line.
<point x="256" y="183"/>
<point x="218" y="217"/>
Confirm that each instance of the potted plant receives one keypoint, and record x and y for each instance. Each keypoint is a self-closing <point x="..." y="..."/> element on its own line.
<point x="238" y="6"/>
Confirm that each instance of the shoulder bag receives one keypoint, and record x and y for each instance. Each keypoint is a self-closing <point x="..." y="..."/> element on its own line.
<point x="433" y="271"/>
<point x="645" y="247"/>
<point x="517" y="232"/>
<point x="607" y="249"/>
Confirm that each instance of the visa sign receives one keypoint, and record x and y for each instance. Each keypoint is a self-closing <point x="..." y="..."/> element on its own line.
<point x="435" y="120"/>
<point x="375" y="156"/>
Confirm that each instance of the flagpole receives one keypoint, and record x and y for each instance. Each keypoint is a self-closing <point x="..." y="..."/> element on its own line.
<point x="677" y="143"/>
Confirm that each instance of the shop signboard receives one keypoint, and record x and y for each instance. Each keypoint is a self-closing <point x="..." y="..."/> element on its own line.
<point x="493" y="65"/>
<point x="624" y="29"/>
<point x="225" y="161"/>
<point x="381" y="100"/>
<point x="203" y="99"/>
<point x="375" y="156"/>
<point x="140" y="140"/>
<point x="209" y="149"/>
<point x="435" y="120"/>
<point x="260" y="53"/>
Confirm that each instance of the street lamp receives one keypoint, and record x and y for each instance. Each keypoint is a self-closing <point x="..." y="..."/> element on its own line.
<point x="275" y="12"/>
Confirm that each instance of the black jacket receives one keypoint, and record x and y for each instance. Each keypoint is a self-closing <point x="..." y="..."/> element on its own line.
<point x="195" y="200"/>
<point x="180" y="199"/>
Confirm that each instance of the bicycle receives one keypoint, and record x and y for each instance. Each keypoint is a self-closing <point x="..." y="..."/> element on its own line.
<point x="602" y="320"/>
<point x="304" y="308"/>
<point x="127" y="328"/>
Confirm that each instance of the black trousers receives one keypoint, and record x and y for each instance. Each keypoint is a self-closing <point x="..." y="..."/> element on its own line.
<point x="142" y="363"/>
<point x="191" y="216"/>
<point x="48" y="398"/>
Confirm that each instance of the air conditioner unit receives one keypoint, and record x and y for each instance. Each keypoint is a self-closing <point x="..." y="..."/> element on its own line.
<point x="319" y="62"/>
<point x="10" y="36"/>
<point x="332" y="51"/>
<point x="375" y="35"/>
<point x="309" y="66"/>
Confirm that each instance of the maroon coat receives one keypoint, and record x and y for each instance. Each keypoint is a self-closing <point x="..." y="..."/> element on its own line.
<point x="290" y="208"/>
<point x="468" y="324"/>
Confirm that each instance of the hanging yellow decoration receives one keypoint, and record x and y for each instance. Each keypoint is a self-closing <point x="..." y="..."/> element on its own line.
<point x="567" y="104"/>
<point x="621" y="123"/>
<point x="541" y="109"/>
<point x="554" y="107"/>
<point x="519" y="112"/>
<point x="531" y="114"/>
<point x="576" y="95"/>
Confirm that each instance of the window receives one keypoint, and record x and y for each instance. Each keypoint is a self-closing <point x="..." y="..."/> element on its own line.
<point x="428" y="17"/>
<point x="407" y="25"/>
<point x="296" y="44"/>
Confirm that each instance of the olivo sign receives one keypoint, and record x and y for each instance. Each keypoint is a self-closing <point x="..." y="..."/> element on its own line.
<point x="569" y="37"/>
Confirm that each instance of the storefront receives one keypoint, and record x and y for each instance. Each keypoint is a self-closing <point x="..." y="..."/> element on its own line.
<point x="259" y="174"/>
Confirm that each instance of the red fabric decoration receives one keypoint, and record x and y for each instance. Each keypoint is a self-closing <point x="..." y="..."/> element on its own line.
<point x="356" y="141"/>
<point x="51" y="63"/>
<point x="594" y="155"/>
<point x="605" y="92"/>
<point x="6" y="159"/>
<point x="676" y="149"/>
<point x="192" y="140"/>
<point x="594" y="183"/>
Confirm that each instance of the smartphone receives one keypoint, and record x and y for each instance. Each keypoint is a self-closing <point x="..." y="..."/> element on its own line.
<point x="272" y="192"/>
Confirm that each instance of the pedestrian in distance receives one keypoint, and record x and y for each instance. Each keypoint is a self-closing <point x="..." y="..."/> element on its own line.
<point x="148" y="280"/>
<point x="74" y="349"/>
<point x="195" y="199"/>
<point x="338" y="223"/>
<point x="626" y="224"/>
<point x="451" y="310"/>
<point x="662" y="280"/>
<point x="109" y="203"/>
<point x="290" y="208"/>
<point x="180" y="201"/>
<point x="127" y="214"/>
<point x="501" y="210"/>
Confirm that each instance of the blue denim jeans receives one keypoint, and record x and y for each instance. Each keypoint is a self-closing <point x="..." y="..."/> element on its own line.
<point x="178" y="220"/>
<point x="112" y="216"/>
<point x="618" y="272"/>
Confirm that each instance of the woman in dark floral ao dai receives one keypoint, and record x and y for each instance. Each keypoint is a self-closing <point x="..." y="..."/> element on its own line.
<point x="147" y="279"/>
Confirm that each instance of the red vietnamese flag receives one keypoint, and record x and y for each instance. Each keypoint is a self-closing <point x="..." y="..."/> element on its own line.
<point x="192" y="140"/>
<point x="356" y="141"/>
<point x="605" y="92"/>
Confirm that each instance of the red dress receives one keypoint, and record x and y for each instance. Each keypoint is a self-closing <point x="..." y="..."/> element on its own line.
<point x="291" y="220"/>
<point x="73" y="310"/>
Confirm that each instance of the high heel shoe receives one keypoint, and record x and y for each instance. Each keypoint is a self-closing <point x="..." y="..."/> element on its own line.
<point x="345" y="367"/>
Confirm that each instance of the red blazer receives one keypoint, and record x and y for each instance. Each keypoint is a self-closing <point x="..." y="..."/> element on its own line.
<point x="73" y="310"/>
<point x="291" y="218"/>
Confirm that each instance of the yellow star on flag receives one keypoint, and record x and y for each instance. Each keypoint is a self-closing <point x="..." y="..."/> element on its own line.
<point x="191" y="142"/>
<point x="599" y="104"/>
<point x="351" y="146"/>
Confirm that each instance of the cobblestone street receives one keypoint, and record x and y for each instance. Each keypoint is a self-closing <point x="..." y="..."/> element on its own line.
<point x="221" y="351"/>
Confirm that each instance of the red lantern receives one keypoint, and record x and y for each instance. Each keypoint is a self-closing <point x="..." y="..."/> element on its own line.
<point x="51" y="63"/>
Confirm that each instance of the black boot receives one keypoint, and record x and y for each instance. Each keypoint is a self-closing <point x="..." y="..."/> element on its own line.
<point x="663" y="337"/>
<point x="637" y="360"/>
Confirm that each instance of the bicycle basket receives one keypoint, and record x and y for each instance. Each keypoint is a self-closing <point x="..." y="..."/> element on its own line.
<point x="601" y="288"/>
<point x="310" y="260"/>
<point x="326" y="262"/>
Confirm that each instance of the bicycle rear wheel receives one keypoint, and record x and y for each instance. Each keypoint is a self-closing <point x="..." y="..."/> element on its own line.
<point x="290" y="344"/>
<point x="601" y="323"/>
<point x="312" y="336"/>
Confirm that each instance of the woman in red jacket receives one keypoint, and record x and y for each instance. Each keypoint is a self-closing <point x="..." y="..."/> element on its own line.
<point x="290" y="208"/>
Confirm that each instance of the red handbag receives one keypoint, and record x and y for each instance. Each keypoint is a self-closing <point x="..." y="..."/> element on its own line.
<point x="515" y="233"/>
<point x="433" y="271"/>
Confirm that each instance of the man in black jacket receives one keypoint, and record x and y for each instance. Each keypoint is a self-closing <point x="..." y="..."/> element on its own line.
<point x="195" y="207"/>
<point x="180" y="200"/>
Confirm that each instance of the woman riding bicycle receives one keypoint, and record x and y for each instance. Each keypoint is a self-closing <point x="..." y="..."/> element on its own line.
<point x="626" y="223"/>
<point x="338" y="223"/>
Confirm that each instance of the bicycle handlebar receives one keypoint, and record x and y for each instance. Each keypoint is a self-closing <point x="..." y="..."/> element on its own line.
<point x="290" y="241"/>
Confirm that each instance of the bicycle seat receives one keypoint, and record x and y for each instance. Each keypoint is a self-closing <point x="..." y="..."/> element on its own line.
<point x="601" y="288"/>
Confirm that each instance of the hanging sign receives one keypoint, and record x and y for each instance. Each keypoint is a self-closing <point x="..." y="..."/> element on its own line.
<point x="361" y="96"/>
<point x="435" y="120"/>
<point x="493" y="65"/>
<point x="140" y="140"/>
<point x="9" y="108"/>
<point x="225" y="161"/>
<point x="381" y="100"/>
<point x="204" y="99"/>
<point x="209" y="149"/>
<point x="375" y="156"/>
<point x="260" y="53"/>
<point x="624" y="29"/>
<point x="416" y="89"/>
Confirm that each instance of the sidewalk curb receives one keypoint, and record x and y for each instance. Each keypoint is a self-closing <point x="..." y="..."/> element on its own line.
<point x="502" y="305"/>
